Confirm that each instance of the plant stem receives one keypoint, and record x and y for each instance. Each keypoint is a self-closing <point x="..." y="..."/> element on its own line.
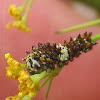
<point x="96" y="38"/>
<point x="48" y="88"/>
<point x="56" y="72"/>
<point x="45" y="82"/>
<point x="37" y="77"/>
<point x="25" y="3"/>
<point x="46" y="76"/>
<point x="21" y="8"/>
<point x="80" y="26"/>
<point x="28" y="9"/>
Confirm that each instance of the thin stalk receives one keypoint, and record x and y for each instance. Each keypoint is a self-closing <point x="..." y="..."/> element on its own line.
<point x="96" y="38"/>
<point x="80" y="26"/>
<point x="48" y="88"/>
<point x="25" y="3"/>
<point x="46" y="76"/>
<point x="45" y="82"/>
<point x="37" y="77"/>
<point x="21" y="8"/>
<point x="56" y="71"/>
<point x="28" y="9"/>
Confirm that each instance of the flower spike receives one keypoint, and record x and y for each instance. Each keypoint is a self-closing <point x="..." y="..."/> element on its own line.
<point x="16" y="12"/>
<point x="27" y="88"/>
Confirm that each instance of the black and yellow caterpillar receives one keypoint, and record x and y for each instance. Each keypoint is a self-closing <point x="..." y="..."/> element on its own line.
<point x="47" y="56"/>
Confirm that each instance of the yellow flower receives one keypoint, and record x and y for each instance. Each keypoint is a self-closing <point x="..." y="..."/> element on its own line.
<point x="8" y="26"/>
<point x="27" y="88"/>
<point x="15" y="12"/>
<point x="14" y="68"/>
<point x="21" y="25"/>
<point x="13" y="98"/>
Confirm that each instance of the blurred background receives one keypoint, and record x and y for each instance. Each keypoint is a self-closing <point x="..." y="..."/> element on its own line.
<point x="80" y="79"/>
<point x="88" y="8"/>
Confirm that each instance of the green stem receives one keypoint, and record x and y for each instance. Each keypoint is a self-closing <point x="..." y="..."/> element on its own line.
<point x="37" y="77"/>
<point x="25" y="3"/>
<point x="56" y="72"/>
<point x="80" y="26"/>
<point x="96" y="38"/>
<point x="21" y="8"/>
<point x="46" y="76"/>
<point x="28" y="9"/>
<point x="45" y="82"/>
<point x="48" y="88"/>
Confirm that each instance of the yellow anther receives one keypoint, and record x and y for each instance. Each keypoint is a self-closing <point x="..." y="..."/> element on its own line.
<point x="8" y="55"/>
<point x="29" y="81"/>
<point x="9" y="73"/>
<point x="21" y="25"/>
<point x="25" y="77"/>
<point x="15" y="12"/>
<point x="20" y="94"/>
<point x="22" y="72"/>
<point x="17" y="64"/>
<point x="16" y="98"/>
<point x="37" y="87"/>
<point x="27" y="29"/>
<point x="21" y="87"/>
<point x="7" y="99"/>
<point x="32" y="85"/>
<point x="32" y="94"/>
<point x="12" y="6"/>
<point x="8" y="26"/>
<point x="20" y="81"/>
<point x="14" y="62"/>
<point x="28" y="85"/>
<point x="16" y="68"/>
<point x="10" y="61"/>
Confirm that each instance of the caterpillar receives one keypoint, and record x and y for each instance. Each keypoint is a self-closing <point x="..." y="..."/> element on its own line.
<point x="47" y="56"/>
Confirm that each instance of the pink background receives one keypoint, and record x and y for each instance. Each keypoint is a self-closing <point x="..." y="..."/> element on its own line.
<point x="80" y="80"/>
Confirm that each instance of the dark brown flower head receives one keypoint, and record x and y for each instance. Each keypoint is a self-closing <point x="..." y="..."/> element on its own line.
<point x="46" y="56"/>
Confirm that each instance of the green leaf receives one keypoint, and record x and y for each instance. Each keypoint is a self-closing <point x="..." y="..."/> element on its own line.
<point x="27" y="97"/>
<point x="37" y="77"/>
